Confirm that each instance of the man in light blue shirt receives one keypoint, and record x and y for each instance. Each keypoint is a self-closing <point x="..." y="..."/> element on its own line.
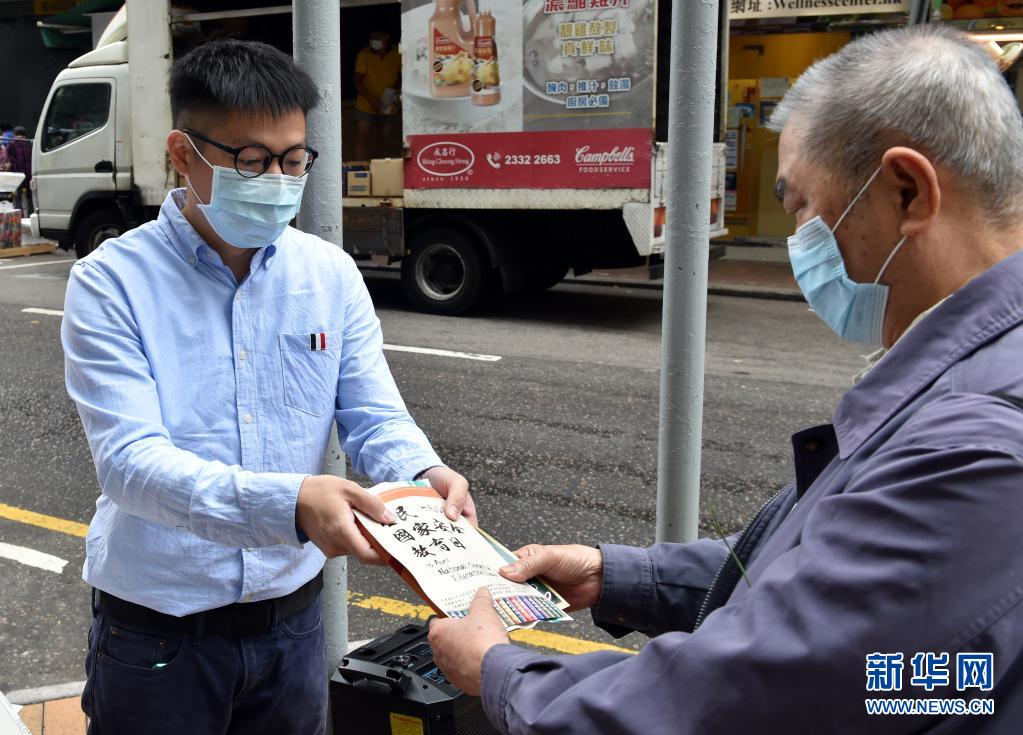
<point x="208" y="352"/>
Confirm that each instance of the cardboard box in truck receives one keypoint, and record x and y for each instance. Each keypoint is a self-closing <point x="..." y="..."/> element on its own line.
<point x="358" y="183"/>
<point x="387" y="176"/>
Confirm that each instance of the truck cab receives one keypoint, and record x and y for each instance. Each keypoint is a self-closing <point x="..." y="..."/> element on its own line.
<point x="81" y="158"/>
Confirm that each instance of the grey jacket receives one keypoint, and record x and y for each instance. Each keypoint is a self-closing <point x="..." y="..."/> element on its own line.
<point x="902" y="534"/>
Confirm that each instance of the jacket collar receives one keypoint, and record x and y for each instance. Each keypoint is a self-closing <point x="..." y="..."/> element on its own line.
<point x="979" y="312"/>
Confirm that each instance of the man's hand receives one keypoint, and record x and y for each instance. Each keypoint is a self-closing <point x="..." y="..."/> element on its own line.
<point x="577" y="572"/>
<point x="455" y="488"/>
<point x="324" y="513"/>
<point x="460" y="645"/>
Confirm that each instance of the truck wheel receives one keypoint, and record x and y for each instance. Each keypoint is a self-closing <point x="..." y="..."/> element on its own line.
<point x="444" y="273"/>
<point x="95" y="228"/>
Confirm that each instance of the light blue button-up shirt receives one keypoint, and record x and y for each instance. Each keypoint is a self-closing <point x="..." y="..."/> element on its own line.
<point x="206" y="403"/>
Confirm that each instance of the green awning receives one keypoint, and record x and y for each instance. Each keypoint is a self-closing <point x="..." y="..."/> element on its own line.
<point x="73" y="28"/>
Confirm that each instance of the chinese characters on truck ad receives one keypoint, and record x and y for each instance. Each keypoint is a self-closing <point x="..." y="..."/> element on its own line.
<point x="544" y="94"/>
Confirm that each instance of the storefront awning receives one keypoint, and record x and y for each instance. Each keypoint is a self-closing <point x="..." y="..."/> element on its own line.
<point x="73" y="28"/>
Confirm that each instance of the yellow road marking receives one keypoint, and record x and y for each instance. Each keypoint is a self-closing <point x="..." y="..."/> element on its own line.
<point x="385" y="605"/>
<point x="390" y="606"/>
<point x="532" y="637"/>
<point x="563" y="643"/>
<point x="51" y="523"/>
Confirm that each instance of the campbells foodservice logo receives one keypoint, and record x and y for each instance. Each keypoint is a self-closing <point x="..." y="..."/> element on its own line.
<point x="445" y="158"/>
<point x="619" y="159"/>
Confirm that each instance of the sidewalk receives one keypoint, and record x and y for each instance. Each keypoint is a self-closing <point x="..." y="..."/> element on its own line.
<point x="755" y="272"/>
<point x="57" y="710"/>
<point x="56" y="717"/>
<point x="759" y="279"/>
<point x="28" y="246"/>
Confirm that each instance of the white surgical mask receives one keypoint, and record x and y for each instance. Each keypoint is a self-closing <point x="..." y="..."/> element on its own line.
<point x="376" y="45"/>
<point x="854" y="311"/>
<point x="249" y="212"/>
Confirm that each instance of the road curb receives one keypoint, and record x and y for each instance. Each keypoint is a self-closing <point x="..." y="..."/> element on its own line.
<point x="717" y="289"/>
<point x="36" y="695"/>
<point x="755" y="292"/>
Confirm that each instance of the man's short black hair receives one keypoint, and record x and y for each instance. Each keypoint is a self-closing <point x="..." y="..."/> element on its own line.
<point x="5" y="126"/>
<point x="20" y="130"/>
<point x="239" y="76"/>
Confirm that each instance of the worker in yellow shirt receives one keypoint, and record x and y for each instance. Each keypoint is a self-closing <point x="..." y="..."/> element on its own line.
<point x="378" y="80"/>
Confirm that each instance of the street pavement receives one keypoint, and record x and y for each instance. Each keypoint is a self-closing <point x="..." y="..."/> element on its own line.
<point x="558" y="437"/>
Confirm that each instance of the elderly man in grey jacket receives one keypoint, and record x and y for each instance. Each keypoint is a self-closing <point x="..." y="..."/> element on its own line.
<point x="888" y="577"/>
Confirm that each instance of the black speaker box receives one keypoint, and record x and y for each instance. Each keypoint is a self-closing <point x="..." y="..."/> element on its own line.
<point x="391" y="686"/>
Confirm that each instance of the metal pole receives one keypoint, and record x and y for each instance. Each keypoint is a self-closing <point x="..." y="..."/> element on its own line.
<point x="149" y="57"/>
<point x="694" y="32"/>
<point x="920" y="11"/>
<point x="335" y="576"/>
<point x="317" y="37"/>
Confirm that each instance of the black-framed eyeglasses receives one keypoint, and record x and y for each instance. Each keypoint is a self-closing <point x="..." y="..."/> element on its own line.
<point x="255" y="160"/>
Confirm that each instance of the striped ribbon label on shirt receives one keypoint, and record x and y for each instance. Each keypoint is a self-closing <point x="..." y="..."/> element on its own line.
<point x="318" y="341"/>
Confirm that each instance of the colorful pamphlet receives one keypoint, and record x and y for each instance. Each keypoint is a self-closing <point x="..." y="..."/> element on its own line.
<point x="447" y="561"/>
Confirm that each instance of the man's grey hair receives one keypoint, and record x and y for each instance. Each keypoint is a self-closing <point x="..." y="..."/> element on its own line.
<point x="927" y="87"/>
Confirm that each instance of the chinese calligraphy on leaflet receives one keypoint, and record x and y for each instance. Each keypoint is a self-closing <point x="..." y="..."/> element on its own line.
<point x="450" y="560"/>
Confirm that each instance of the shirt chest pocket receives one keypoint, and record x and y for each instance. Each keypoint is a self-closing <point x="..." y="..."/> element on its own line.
<point x="311" y="363"/>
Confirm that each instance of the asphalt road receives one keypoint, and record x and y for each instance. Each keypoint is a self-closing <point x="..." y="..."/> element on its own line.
<point x="558" y="437"/>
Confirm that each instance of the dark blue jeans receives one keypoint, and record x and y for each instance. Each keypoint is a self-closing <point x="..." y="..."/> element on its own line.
<point x="148" y="681"/>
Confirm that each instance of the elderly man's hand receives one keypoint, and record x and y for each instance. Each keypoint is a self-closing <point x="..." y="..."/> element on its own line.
<point x="577" y="572"/>
<point x="460" y="645"/>
<point x="455" y="488"/>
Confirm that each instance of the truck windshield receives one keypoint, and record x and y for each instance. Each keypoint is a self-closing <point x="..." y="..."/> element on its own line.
<point x="76" y="110"/>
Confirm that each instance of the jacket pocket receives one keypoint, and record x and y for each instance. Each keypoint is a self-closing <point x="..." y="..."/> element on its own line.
<point x="311" y="362"/>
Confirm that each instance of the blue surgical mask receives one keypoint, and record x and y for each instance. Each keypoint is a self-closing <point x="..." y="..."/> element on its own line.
<point x="250" y="212"/>
<point x="854" y="311"/>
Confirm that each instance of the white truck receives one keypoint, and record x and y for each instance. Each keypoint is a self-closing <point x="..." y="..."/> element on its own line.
<point x="563" y="172"/>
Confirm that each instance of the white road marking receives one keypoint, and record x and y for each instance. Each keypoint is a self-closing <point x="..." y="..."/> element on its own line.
<point x="391" y="348"/>
<point x="44" y="276"/>
<point x="47" y="312"/>
<point x="32" y="558"/>
<point x="33" y="265"/>
<point x="443" y="353"/>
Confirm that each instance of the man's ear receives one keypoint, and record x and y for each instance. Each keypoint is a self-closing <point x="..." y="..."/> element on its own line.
<point x="178" y="148"/>
<point x="914" y="181"/>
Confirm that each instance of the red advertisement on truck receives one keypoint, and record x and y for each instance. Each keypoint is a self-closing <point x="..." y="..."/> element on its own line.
<point x="555" y="94"/>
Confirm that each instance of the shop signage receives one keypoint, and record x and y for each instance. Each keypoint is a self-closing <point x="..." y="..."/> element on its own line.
<point x="743" y="9"/>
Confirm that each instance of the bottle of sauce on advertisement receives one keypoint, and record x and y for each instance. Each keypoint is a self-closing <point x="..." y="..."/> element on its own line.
<point x="451" y="64"/>
<point x="486" y="78"/>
